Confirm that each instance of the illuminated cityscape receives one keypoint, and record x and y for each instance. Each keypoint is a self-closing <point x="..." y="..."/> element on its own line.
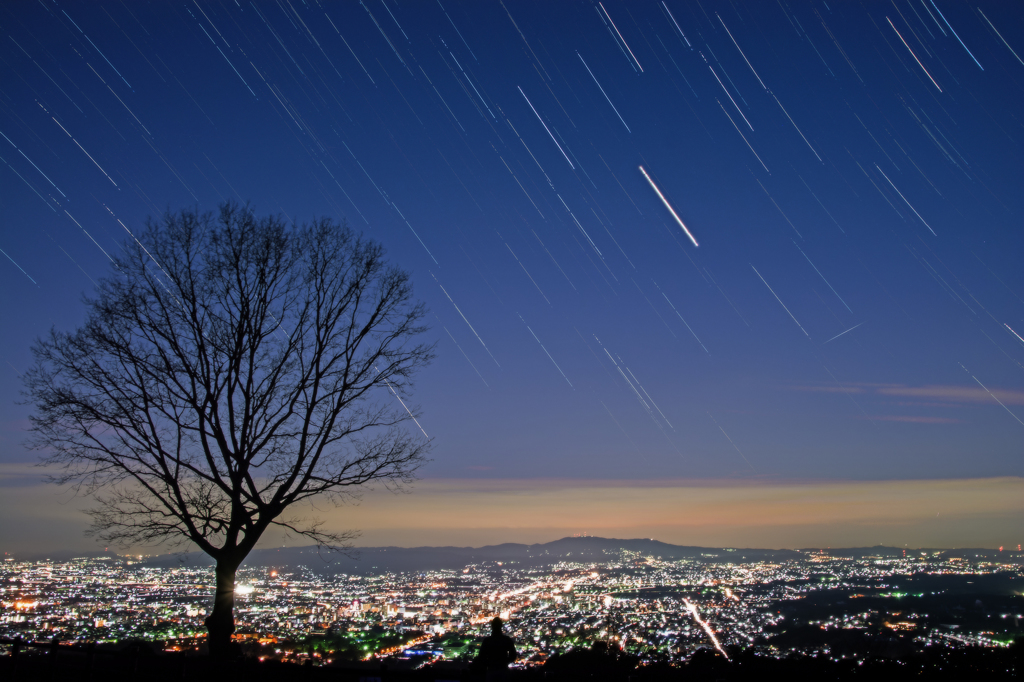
<point x="820" y="604"/>
<point x="425" y="276"/>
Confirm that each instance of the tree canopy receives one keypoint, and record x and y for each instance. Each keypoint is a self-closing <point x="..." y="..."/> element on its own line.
<point x="230" y="368"/>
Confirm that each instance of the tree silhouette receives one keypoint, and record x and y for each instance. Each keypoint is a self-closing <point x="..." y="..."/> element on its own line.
<point x="229" y="369"/>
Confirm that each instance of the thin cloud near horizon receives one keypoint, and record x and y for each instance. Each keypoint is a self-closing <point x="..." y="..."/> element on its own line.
<point x="982" y="512"/>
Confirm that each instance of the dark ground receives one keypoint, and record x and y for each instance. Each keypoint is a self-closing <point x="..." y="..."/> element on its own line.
<point x="970" y="663"/>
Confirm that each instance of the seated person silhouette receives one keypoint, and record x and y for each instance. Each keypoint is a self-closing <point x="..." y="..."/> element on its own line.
<point x="496" y="652"/>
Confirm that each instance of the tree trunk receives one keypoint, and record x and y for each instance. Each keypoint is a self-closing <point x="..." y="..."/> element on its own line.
<point x="220" y="624"/>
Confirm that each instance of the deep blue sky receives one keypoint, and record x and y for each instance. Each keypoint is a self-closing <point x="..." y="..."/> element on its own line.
<point x="570" y="357"/>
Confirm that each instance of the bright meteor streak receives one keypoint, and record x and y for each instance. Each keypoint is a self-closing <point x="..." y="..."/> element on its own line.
<point x="668" y="206"/>
<point x="1013" y="332"/>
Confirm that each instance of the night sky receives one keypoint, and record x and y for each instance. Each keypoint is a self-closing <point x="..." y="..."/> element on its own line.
<point x="717" y="241"/>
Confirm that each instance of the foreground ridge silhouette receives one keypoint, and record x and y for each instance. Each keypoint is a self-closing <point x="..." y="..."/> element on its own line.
<point x="38" y="661"/>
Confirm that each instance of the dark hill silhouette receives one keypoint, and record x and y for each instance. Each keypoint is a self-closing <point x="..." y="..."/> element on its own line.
<point x="369" y="560"/>
<point x="585" y="550"/>
<point x="364" y="560"/>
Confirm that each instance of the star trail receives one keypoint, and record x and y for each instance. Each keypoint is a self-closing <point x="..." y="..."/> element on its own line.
<point x="546" y="170"/>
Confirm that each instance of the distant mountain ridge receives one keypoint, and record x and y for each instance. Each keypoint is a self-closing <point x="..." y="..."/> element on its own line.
<point x="588" y="549"/>
<point x="366" y="560"/>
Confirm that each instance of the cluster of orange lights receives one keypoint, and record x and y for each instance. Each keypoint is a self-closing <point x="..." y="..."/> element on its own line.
<point x="400" y="647"/>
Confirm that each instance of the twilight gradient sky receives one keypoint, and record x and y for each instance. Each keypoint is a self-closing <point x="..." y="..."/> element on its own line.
<point x="851" y="172"/>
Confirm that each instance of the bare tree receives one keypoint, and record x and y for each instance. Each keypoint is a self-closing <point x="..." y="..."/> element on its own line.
<point x="231" y="368"/>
